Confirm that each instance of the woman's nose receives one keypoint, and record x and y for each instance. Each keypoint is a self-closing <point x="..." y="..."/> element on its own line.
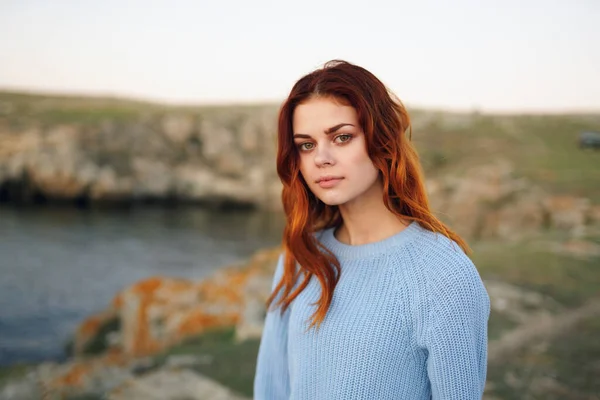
<point x="323" y="156"/>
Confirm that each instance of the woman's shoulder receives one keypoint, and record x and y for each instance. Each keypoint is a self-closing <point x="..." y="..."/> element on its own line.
<point x="441" y="246"/>
<point x="438" y="257"/>
<point x="449" y="272"/>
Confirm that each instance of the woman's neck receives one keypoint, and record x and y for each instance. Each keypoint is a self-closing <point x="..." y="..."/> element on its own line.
<point x="366" y="219"/>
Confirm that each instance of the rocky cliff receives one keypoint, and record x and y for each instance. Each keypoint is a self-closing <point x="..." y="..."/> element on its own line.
<point x="92" y="151"/>
<point x="484" y="175"/>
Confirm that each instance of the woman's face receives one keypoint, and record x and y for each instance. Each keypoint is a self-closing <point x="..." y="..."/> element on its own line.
<point x="333" y="152"/>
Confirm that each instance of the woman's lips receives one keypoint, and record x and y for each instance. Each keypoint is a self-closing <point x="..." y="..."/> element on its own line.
<point x="329" y="183"/>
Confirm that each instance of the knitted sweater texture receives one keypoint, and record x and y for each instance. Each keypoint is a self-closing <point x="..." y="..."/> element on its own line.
<point x="408" y="320"/>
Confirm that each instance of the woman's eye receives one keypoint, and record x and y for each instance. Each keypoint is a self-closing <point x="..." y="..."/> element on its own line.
<point x="343" y="138"/>
<point x="306" y="146"/>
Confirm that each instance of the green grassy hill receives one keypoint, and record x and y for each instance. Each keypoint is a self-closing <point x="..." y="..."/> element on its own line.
<point x="542" y="148"/>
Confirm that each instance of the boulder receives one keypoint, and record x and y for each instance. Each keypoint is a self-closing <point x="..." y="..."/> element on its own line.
<point x="490" y="202"/>
<point x="567" y="212"/>
<point x="158" y="312"/>
<point x="172" y="384"/>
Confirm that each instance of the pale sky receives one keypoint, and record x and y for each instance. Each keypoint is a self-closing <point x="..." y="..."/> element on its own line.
<point x="495" y="55"/>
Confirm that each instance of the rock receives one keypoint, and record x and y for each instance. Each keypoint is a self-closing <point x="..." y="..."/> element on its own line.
<point x="231" y="163"/>
<point x="86" y="376"/>
<point x="143" y="365"/>
<point x="91" y="330"/>
<point x="217" y="139"/>
<point x="594" y="214"/>
<point x="214" y="156"/>
<point x="255" y="294"/>
<point x="187" y="361"/>
<point x="567" y="212"/>
<point x="178" y="128"/>
<point x="578" y="248"/>
<point x="74" y="378"/>
<point x="172" y="385"/>
<point x="24" y="388"/>
<point x="489" y="202"/>
<point x="519" y="218"/>
<point x="519" y="304"/>
<point x="114" y="377"/>
<point x="158" y="312"/>
<point x="152" y="178"/>
<point x="251" y="132"/>
<point x="109" y="187"/>
<point x="474" y="202"/>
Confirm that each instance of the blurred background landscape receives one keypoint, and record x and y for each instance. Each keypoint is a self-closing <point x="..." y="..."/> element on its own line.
<point x="140" y="215"/>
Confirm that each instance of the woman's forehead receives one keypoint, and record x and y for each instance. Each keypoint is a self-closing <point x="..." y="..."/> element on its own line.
<point x="318" y="115"/>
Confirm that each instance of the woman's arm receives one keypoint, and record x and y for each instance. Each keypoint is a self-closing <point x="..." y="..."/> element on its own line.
<point x="456" y="332"/>
<point x="271" y="381"/>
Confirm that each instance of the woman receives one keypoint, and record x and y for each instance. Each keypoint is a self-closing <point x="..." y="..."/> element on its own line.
<point x="373" y="298"/>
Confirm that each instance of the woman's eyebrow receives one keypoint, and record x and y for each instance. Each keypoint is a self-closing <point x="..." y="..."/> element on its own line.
<point x="327" y="131"/>
<point x="335" y="128"/>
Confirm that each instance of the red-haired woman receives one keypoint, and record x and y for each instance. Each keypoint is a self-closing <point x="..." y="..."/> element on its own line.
<point x="376" y="297"/>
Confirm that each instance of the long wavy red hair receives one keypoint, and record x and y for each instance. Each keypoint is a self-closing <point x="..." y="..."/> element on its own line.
<point x="385" y="123"/>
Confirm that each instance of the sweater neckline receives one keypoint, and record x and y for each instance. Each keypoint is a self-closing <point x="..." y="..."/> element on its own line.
<point x="347" y="251"/>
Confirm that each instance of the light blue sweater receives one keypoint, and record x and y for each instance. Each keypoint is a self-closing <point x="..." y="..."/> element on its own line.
<point x="408" y="320"/>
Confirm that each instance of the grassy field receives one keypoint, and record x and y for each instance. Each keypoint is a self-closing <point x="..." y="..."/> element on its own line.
<point x="569" y="281"/>
<point x="23" y="109"/>
<point x="543" y="149"/>
<point x="566" y="367"/>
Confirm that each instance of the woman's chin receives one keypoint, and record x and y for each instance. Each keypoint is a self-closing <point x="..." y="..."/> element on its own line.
<point x="333" y="199"/>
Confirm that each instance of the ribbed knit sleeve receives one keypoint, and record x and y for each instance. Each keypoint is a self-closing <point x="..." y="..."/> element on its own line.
<point x="455" y="334"/>
<point x="271" y="380"/>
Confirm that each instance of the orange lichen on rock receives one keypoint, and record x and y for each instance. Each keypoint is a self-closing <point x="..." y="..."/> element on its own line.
<point x="197" y="321"/>
<point x="211" y="293"/>
<point x="117" y="301"/>
<point x="147" y="286"/>
<point x="90" y="325"/>
<point x="143" y="343"/>
<point x="74" y="377"/>
<point x="158" y="311"/>
<point x="79" y="373"/>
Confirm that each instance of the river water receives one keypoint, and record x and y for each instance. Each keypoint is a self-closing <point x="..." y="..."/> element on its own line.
<point x="58" y="265"/>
